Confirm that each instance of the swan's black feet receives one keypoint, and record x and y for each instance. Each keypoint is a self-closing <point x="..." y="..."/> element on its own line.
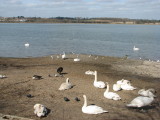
<point x="66" y="99"/>
<point x="77" y="99"/>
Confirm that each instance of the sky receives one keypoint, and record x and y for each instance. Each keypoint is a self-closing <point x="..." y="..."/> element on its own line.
<point x="133" y="9"/>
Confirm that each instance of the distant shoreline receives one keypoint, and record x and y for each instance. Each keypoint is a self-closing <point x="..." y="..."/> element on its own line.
<point x="80" y="23"/>
<point x="78" y="20"/>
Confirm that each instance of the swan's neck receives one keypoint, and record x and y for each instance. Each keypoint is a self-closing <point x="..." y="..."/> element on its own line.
<point x="95" y="80"/>
<point x="67" y="80"/>
<point x="107" y="90"/>
<point x="85" y="102"/>
<point x="151" y="96"/>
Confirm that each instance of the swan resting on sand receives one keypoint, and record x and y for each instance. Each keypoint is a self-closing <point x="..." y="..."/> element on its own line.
<point x="98" y="84"/>
<point x="89" y="72"/>
<point x="91" y="109"/>
<point x="125" y="84"/>
<point x="40" y="110"/>
<point x="116" y="87"/>
<point x="123" y="81"/>
<point x="111" y="95"/>
<point x="3" y="76"/>
<point x="127" y="87"/>
<point x="63" y="56"/>
<point x="147" y="93"/>
<point x="76" y="60"/>
<point x="65" y="86"/>
<point x="140" y="101"/>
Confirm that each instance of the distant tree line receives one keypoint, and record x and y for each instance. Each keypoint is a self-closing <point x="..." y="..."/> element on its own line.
<point x="102" y="20"/>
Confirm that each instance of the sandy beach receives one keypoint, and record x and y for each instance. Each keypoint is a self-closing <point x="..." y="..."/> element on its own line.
<point x="19" y="83"/>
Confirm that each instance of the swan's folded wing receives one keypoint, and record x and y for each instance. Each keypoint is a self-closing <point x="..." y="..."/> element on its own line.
<point x="100" y="84"/>
<point x="65" y="86"/>
<point x="95" y="109"/>
<point x="140" y="101"/>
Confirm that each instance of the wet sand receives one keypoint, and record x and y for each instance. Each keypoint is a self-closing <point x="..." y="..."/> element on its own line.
<point x="19" y="83"/>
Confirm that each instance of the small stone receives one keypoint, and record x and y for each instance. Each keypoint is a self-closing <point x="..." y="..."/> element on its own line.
<point x="29" y="95"/>
<point x="66" y="99"/>
<point x="77" y="99"/>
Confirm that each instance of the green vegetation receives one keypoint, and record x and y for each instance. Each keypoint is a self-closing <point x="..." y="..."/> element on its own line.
<point x="22" y="19"/>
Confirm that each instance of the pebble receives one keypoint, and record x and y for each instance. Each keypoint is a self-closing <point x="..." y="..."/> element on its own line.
<point x="66" y="99"/>
<point x="77" y="99"/>
<point x="29" y="95"/>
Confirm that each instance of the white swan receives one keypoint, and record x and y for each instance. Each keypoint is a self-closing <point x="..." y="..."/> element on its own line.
<point x="98" y="84"/>
<point x="91" y="109"/>
<point x="40" y="110"/>
<point x="116" y="87"/>
<point x="135" y="49"/>
<point x="76" y="60"/>
<point x="63" y="55"/>
<point x="123" y="81"/>
<point x="3" y="76"/>
<point x="89" y="72"/>
<point x="146" y="93"/>
<point x="111" y="95"/>
<point x="65" y="86"/>
<point x="51" y="57"/>
<point x="96" y="58"/>
<point x="127" y="87"/>
<point x="140" y="101"/>
<point x="152" y="90"/>
<point x="26" y="44"/>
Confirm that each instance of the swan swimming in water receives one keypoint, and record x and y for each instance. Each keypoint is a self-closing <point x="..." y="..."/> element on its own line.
<point x="111" y="95"/>
<point x="141" y="101"/>
<point x="91" y="109"/>
<point x="146" y="93"/>
<point x="26" y="44"/>
<point x="40" y="110"/>
<point x="65" y="86"/>
<point x="98" y="84"/>
<point x="135" y="49"/>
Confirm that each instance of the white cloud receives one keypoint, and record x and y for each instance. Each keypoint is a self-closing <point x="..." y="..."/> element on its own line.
<point x="147" y="9"/>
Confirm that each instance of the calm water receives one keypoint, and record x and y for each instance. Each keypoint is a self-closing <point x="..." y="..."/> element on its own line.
<point x="98" y="39"/>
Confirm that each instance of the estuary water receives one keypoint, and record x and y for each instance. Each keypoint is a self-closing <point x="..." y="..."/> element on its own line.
<point x="98" y="39"/>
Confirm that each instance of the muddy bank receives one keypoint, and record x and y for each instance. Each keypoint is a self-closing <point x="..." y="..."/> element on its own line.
<point x="19" y="83"/>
